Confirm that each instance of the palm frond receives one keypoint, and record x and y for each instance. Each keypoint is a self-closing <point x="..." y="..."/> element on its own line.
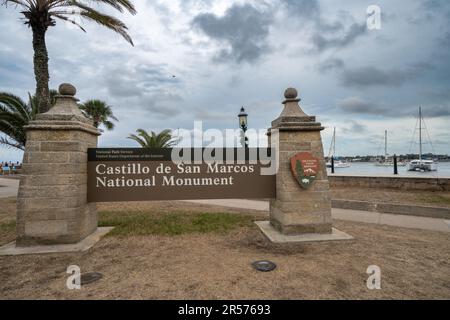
<point x="105" y="20"/>
<point x="15" y="114"/>
<point x="153" y="140"/>
<point x="5" y="142"/>
<point x="138" y="140"/>
<point x="99" y="112"/>
<point x="36" y="11"/>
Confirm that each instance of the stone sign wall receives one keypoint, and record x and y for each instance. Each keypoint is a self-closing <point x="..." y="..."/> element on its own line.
<point x="64" y="175"/>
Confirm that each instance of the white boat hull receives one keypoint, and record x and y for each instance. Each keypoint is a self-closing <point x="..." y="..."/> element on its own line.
<point x="339" y="164"/>
<point x="390" y="164"/>
<point x="421" y="165"/>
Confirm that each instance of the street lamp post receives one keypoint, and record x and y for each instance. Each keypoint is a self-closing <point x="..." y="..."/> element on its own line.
<point x="243" y="125"/>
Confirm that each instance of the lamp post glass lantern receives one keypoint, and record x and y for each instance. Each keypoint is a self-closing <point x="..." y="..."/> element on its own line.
<point x="243" y="122"/>
<point x="243" y="119"/>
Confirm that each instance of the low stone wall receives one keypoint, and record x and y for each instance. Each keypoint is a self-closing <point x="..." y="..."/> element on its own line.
<point x="403" y="209"/>
<point x="402" y="183"/>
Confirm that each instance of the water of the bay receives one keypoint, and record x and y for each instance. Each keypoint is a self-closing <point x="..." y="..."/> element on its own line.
<point x="369" y="168"/>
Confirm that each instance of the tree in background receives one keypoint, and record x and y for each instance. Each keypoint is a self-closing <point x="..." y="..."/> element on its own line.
<point x="164" y="139"/>
<point x="39" y="15"/>
<point x="14" y="115"/>
<point x="99" y="112"/>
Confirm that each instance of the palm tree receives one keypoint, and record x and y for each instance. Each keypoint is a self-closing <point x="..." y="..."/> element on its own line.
<point x="14" y="115"/>
<point x="99" y="112"/>
<point x="42" y="14"/>
<point x="164" y="139"/>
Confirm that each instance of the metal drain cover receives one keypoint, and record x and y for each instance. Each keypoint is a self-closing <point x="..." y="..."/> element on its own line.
<point x="90" y="277"/>
<point x="264" y="265"/>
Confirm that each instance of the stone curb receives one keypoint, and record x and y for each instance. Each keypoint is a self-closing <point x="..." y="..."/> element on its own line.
<point x="10" y="249"/>
<point x="420" y="211"/>
<point x="390" y="182"/>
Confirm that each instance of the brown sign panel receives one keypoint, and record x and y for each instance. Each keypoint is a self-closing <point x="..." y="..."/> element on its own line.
<point x="304" y="167"/>
<point x="144" y="175"/>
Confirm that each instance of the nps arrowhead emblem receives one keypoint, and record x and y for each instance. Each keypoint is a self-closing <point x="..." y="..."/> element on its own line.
<point x="304" y="167"/>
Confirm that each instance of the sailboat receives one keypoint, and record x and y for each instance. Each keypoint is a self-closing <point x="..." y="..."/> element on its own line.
<point x="422" y="164"/>
<point x="338" y="163"/>
<point x="386" y="161"/>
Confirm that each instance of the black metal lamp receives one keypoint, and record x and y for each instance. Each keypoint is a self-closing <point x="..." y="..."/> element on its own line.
<point x="243" y="121"/>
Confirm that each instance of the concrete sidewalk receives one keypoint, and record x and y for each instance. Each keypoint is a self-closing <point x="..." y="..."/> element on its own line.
<point x="395" y="220"/>
<point x="8" y="187"/>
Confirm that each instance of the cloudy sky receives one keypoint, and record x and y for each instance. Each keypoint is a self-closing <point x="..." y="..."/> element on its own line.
<point x="226" y="53"/>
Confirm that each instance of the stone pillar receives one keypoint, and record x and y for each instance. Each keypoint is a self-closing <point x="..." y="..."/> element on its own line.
<point x="52" y="203"/>
<point x="298" y="210"/>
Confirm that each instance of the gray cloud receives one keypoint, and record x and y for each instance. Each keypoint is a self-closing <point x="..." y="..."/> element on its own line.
<point x="305" y="9"/>
<point x="435" y="5"/>
<point x="19" y="65"/>
<point x="355" y="127"/>
<point x="322" y="43"/>
<point x="143" y="89"/>
<point x="235" y="81"/>
<point x="326" y="35"/>
<point x="149" y="107"/>
<point x="330" y="64"/>
<point x="138" y="80"/>
<point x="161" y="103"/>
<point x="437" y="110"/>
<point x="119" y="87"/>
<point x="430" y="10"/>
<point x="444" y="41"/>
<point x="14" y="72"/>
<point x="372" y="76"/>
<point x="205" y="115"/>
<point x="438" y="95"/>
<point x="356" y="105"/>
<point x="244" y="28"/>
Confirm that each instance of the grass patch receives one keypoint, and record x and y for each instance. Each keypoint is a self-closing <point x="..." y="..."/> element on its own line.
<point x="9" y="200"/>
<point x="7" y="227"/>
<point x="171" y="224"/>
<point x="436" y="199"/>
<point x="7" y="232"/>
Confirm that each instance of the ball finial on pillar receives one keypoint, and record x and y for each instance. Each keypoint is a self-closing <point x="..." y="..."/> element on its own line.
<point x="291" y="94"/>
<point x="65" y="103"/>
<point x="67" y="89"/>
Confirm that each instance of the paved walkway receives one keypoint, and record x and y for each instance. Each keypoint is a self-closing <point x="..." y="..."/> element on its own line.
<point x="8" y="187"/>
<point x="396" y="220"/>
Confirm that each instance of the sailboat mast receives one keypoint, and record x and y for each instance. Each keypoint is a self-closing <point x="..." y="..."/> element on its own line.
<point x="385" y="144"/>
<point x="334" y="142"/>
<point x="420" y="133"/>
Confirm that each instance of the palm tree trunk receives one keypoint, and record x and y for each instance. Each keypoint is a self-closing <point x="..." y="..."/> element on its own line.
<point x="41" y="68"/>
